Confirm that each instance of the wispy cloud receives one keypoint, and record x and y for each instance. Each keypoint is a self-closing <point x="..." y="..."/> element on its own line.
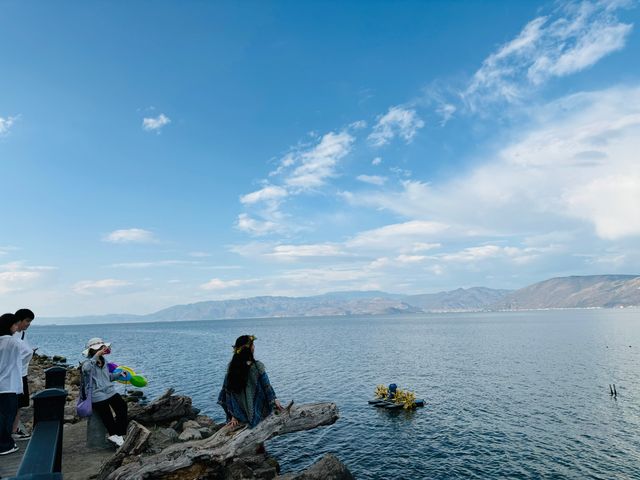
<point x="313" y="166"/>
<point x="5" y="124"/>
<point x="159" y="263"/>
<point x="16" y="276"/>
<point x="304" y="170"/>
<point x="397" y="122"/>
<point x="542" y="179"/>
<point x="4" y="250"/>
<point x="219" y="284"/>
<point x="294" y="252"/>
<point x="266" y="194"/>
<point x="256" y="227"/>
<point x="105" y="286"/>
<point x="573" y="39"/>
<point x="372" y="179"/>
<point x="398" y="235"/>
<point x="155" y="124"/>
<point x="130" y="235"/>
<point x="199" y="254"/>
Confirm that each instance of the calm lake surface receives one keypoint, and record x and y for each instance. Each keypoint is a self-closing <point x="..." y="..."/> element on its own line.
<point x="517" y="395"/>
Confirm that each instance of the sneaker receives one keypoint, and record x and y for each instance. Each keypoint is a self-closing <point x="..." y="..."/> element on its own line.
<point x="21" y="435"/>
<point x="11" y="450"/>
<point x="117" y="439"/>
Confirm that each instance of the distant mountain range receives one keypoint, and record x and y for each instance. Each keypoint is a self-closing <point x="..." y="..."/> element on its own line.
<point x="595" y="291"/>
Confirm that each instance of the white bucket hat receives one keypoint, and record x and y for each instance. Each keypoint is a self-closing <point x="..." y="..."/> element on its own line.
<point x="95" y="344"/>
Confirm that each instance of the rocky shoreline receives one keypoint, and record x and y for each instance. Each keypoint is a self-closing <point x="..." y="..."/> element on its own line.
<point x="168" y="438"/>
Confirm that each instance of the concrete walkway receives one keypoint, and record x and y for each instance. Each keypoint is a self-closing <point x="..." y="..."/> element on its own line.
<point x="78" y="462"/>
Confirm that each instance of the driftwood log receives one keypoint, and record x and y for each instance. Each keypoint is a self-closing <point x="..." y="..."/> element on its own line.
<point x="135" y="441"/>
<point x="164" y="409"/>
<point x="208" y="458"/>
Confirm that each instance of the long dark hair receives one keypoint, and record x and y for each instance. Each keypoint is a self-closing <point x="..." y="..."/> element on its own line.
<point x="240" y="363"/>
<point x="7" y="321"/>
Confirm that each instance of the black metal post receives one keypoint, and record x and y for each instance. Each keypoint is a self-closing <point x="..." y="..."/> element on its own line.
<point x="48" y="405"/>
<point x="55" y="377"/>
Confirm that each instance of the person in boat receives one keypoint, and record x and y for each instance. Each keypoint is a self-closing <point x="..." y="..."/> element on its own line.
<point x="104" y="398"/>
<point x="247" y="396"/>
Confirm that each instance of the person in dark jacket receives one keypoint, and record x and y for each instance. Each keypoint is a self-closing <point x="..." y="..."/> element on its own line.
<point x="247" y="396"/>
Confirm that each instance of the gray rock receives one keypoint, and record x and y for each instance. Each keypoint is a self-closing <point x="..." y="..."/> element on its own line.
<point x="190" y="434"/>
<point x="161" y="438"/>
<point x="190" y="424"/>
<point x="327" y="468"/>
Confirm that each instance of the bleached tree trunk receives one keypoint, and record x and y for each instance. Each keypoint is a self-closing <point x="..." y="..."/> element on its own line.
<point x="207" y="458"/>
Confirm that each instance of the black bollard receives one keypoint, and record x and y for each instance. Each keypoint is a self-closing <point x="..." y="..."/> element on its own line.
<point x="55" y="377"/>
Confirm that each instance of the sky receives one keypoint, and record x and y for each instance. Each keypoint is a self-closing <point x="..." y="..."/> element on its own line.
<point x="162" y="153"/>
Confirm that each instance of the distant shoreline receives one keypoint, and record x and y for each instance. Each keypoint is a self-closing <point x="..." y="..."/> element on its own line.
<point x="44" y="322"/>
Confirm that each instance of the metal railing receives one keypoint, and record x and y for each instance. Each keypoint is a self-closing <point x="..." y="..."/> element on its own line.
<point x="43" y="457"/>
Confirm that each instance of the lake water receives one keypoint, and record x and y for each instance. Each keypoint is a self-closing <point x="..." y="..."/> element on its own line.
<point x="515" y="395"/>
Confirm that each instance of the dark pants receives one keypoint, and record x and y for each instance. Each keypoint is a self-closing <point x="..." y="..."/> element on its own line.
<point x="23" y="398"/>
<point x="117" y="426"/>
<point x="8" y="409"/>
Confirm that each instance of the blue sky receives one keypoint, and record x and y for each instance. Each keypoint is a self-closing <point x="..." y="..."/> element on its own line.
<point x="156" y="153"/>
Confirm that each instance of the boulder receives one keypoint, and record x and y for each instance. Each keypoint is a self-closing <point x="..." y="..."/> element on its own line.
<point x="190" y="424"/>
<point x="190" y="434"/>
<point x="327" y="468"/>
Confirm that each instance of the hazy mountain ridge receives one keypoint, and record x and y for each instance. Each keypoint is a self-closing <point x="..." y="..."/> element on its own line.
<point x="595" y="291"/>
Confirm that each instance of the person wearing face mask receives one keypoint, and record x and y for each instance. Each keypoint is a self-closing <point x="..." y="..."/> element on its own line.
<point x="105" y="401"/>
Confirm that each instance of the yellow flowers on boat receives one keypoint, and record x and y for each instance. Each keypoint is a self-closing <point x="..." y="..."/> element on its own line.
<point x="397" y="396"/>
<point x="381" y="391"/>
<point x="405" y="398"/>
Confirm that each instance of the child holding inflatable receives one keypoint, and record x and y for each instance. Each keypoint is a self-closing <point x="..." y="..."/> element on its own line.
<point x="104" y="398"/>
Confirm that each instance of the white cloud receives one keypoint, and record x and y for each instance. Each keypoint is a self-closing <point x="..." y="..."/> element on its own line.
<point x="549" y="46"/>
<point x="131" y="235"/>
<point x="5" y="124"/>
<point x="398" y="235"/>
<point x="256" y="227"/>
<point x="199" y="254"/>
<point x="159" y="263"/>
<point x="397" y="122"/>
<point x="6" y="249"/>
<point x="358" y="125"/>
<point x="155" y="124"/>
<point x="372" y="179"/>
<point x="218" y="284"/>
<point x="293" y="252"/>
<point x="16" y="280"/>
<point x="576" y="164"/>
<point x="16" y="276"/>
<point x="376" y="161"/>
<point x="446" y="111"/>
<point x="611" y="203"/>
<point x="265" y="194"/>
<point x="106" y="286"/>
<point x="319" y="163"/>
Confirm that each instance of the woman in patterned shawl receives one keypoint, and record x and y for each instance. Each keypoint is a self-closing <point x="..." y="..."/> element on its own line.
<point x="246" y="395"/>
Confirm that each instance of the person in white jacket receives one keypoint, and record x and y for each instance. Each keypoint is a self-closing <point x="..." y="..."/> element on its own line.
<point x="13" y="353"/>
<point x="25" y="317"/>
